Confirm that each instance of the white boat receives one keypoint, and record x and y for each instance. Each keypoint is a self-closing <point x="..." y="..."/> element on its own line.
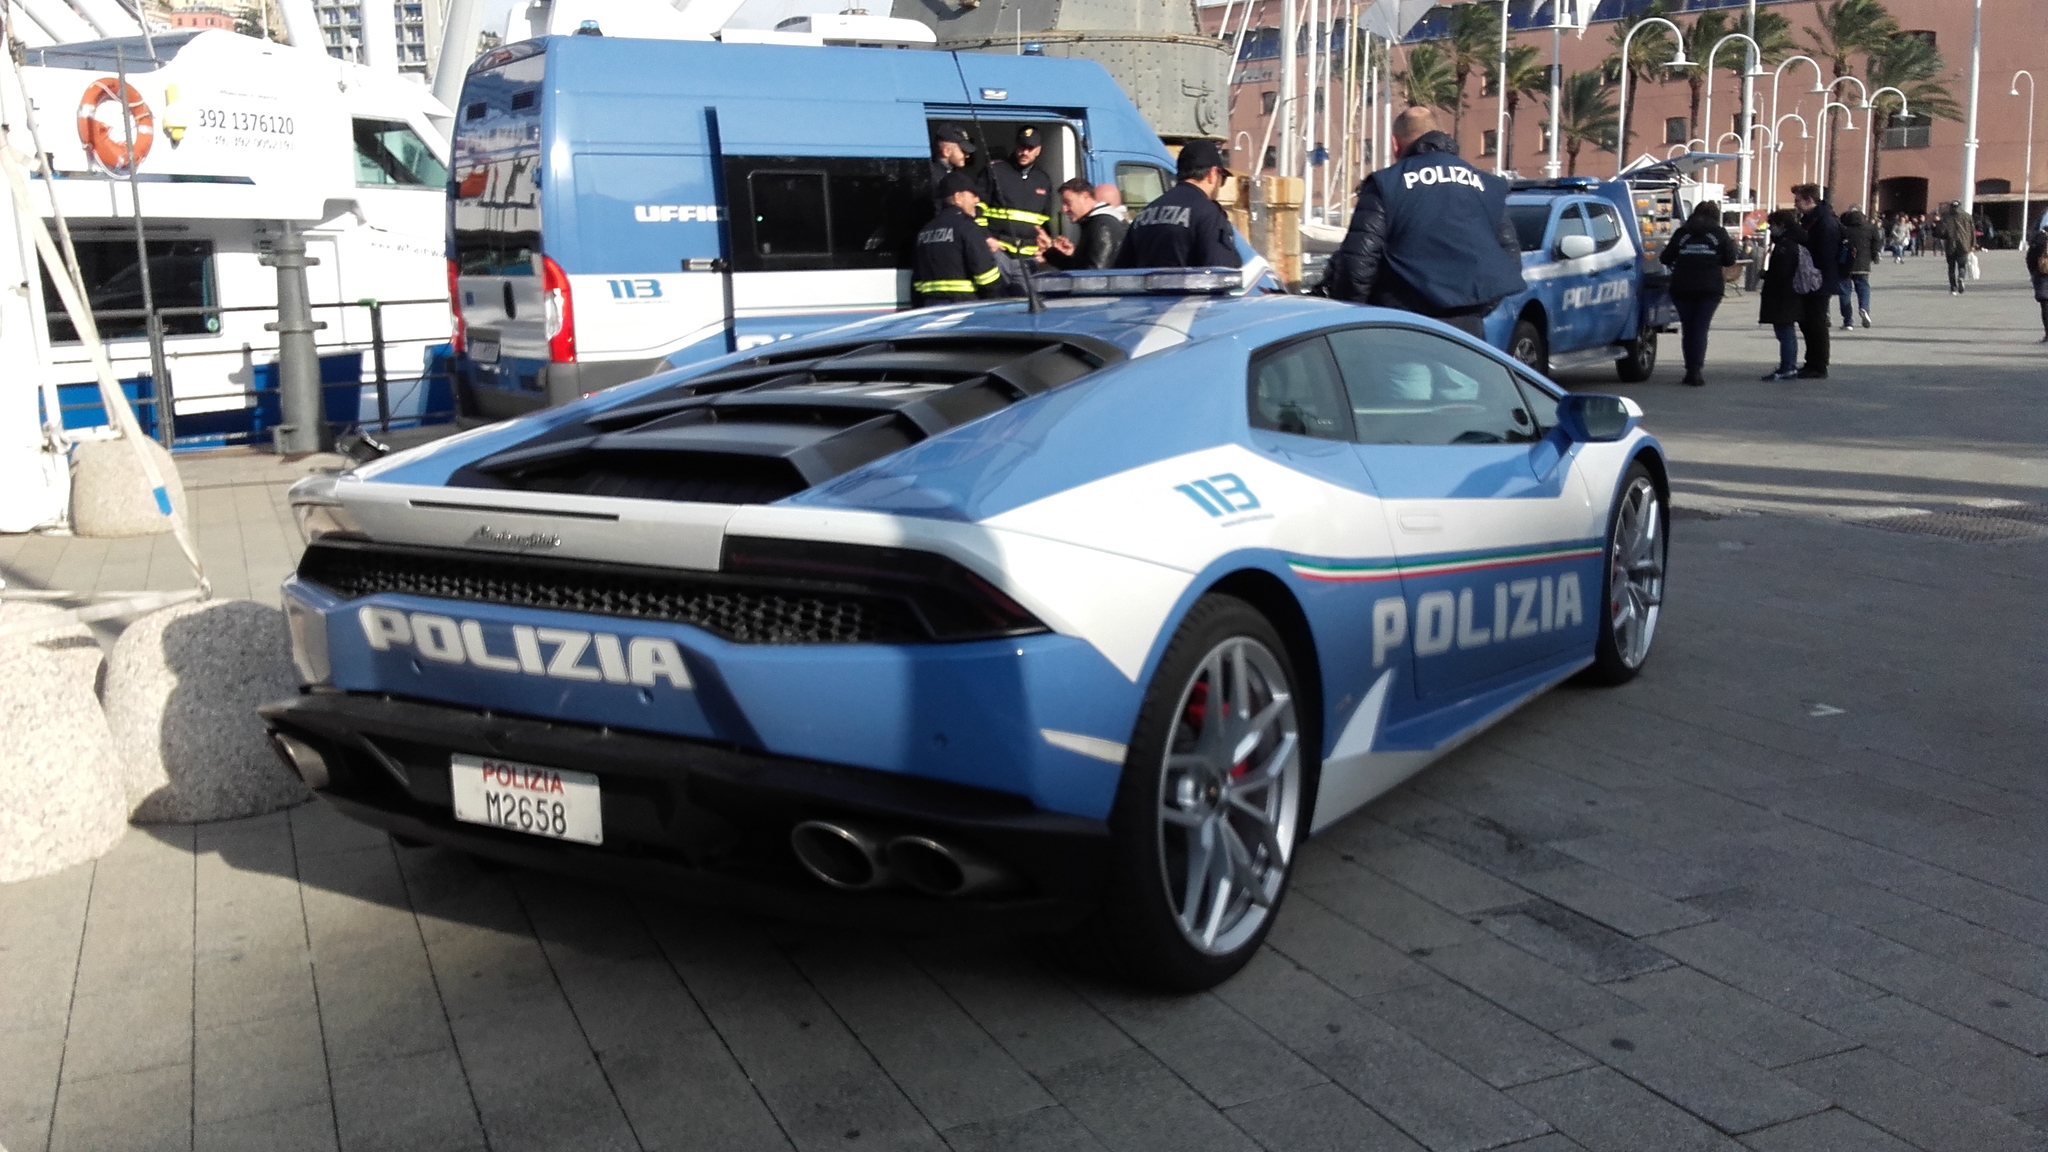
<point x="228" y="136"/>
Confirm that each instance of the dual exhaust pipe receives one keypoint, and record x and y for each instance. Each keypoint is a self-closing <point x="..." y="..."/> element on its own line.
<point x="857" y="859"/>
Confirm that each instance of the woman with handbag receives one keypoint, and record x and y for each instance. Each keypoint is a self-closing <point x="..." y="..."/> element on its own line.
<point x="1788" y="274"/>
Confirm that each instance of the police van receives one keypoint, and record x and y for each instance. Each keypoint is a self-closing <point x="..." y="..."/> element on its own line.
<point x="1595" y="293"/>
<point x="620" y="204"/>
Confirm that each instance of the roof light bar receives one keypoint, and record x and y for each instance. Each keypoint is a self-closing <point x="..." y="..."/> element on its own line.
<point x="1142" y="282"/>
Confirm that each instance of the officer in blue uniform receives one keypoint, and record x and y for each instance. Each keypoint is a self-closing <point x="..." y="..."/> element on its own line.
<point x="1430" y="234"/>
<point x="1184" y="228"/>
<point x="953" y="262"/>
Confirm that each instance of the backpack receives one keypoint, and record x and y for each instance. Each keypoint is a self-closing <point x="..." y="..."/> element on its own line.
<point x="1806" y="278"/>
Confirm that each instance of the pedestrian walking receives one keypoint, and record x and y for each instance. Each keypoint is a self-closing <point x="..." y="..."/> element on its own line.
<point x="1902" y="236"/>
<point x="953" y="262"/>
<point x="1101" y="225"/>
<point x="1430" y="234"/>
<point x="1859" y="252"/>
<point x="1958" y="237"/>
<point x="1696" y="254"/>
<point x="1019" y="196"/>
<point x="1824" y="246"/>
<point x="1781" y="304"/>
<point x="1185" y="228"/>
<point x="2037" y="270"/>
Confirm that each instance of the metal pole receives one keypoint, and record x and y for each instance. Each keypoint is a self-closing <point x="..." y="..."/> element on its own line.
<point x="1550" y="165"/>
<point x="1969" y="196"/>
<point x="377" y="361"/>
<point x="152" y="327"/>
<point x="1621" y="114"/>
<point x="1284" y="162"/>
<point x="304" y="427"/>
<point x="2027" y="196"/>
<point x="1745" y="172"/>
<point x="1500" y="111"/>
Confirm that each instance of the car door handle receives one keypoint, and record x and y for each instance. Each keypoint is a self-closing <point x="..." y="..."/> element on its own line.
<point x="1421" y="522"/>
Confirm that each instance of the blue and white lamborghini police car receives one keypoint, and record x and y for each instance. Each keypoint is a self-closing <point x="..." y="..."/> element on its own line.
<point x="1073" y="617"/>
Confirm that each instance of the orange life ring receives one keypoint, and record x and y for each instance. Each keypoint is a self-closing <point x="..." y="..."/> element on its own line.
<point x="109" y="145"/>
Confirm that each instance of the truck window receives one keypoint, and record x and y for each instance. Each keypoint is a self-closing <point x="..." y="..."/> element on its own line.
<point x="495" y="192"/>
<point x="1140" y="185"/>
<point x="792" y="214"/>
<point x="1605" y="225"/>
<point x="1530" y="221"/>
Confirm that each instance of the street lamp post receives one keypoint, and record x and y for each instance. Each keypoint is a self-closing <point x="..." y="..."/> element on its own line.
<point x="1778" y="74"/>
<point x="2026" y="197"/>
<point x="1820" y="148"/>
<point x="1832" y="140"/>
<point x="1870" y="130"/>
<point x="1969" y="196"/>
<point x="1621" y="115"/>
<point x="1500" y="112"/>
<point x="1778" y="146"/>
<point x="1749" y="74"/>
<point x="1550" y="165"/>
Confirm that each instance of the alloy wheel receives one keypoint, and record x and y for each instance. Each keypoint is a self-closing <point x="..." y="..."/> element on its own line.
<point x="1635" y="579"/>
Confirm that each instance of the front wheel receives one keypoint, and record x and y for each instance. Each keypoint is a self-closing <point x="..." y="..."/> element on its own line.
<point x="1641" y="360"/>
<point x="1211" y="804"/>
<point x="1528" y="346"/>
<point x="1632" y="590"/>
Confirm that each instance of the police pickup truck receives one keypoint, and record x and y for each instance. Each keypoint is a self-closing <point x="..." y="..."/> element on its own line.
<point x="1594" y="292"/>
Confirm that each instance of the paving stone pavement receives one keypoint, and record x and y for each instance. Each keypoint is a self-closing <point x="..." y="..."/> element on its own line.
<point x="1787" y="891"/>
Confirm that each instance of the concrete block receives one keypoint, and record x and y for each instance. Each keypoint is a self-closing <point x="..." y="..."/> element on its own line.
<point x="1913" y="1106"/>
<point x="1735" y="1020"/>
<point x="63" y="804"/>
<point x="1727" y="1092"/>
<point x="1601" y="1110"/>
<point x="111" y="498"/>
<point x="1324" y="1118"/>
<point x="182" y="690"/>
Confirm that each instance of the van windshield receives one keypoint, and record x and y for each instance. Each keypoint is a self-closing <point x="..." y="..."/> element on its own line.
<point x="497" y="161"/>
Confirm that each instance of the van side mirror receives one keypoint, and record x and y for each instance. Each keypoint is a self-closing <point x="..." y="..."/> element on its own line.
<point x="1576" y="246"/>
<point x="1593" y="419"/>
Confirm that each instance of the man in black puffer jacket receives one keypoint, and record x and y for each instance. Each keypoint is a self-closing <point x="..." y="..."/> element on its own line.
<point x="1861" y="241"/>
<point x="1824" y="244"/>
<point x="1430" y="234"/>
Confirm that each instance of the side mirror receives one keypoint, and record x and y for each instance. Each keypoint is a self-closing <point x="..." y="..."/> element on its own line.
<point x="1577" y="246"/>
<point x="1593" y="419"/>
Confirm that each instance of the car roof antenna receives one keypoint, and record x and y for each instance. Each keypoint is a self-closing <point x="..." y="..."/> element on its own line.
<point x="1033" y="302"/>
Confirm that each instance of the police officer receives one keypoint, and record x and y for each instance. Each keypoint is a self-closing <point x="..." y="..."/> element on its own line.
<point x="1019" y="197"/>
<point x="1430" y="234"/>
<point x="953" y="263"/>
<point x="952" y="150"/>
<point x="1102" y="229"/>
<point x="1184" y="228"/>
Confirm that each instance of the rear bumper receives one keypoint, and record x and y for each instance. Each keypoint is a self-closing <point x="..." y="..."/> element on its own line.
<point x="514" y="387"/>
<point x="685" y="817"/>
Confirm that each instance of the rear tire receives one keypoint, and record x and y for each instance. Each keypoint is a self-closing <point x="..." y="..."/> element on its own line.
<point x="1641" y="360"/>
<point x="1216" y="783"/>
<point x="1528" y="345"/>
<point x="1632" y="586"/>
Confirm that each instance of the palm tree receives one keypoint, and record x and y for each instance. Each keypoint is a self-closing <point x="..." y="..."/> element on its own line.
<point x="1646" y="57"/>
<point x="1527" y="76"/>
<point x="1429" y="81"/>
<point x="1585" y="115"/>
<point x="1474" y="45"/>
<point x="1913" y="66"/>
<point x="1848" y="29"/>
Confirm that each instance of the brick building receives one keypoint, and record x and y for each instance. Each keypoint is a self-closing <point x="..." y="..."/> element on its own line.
<point x="1919" y="164"/>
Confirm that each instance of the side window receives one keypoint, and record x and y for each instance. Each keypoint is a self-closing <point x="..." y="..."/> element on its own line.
<point x="1140" y="184"/>
<point x="1606" y="225"/>
<point x="1296" y="389"/>
<point x="827" y="212"/>
<point x="1410" y="387"/>
<point x="1540" y="405"/>
<point x="1570" y="222"/>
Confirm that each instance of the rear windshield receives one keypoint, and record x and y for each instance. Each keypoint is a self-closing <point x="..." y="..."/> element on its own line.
<point x="1529" y="220"/>
<point x="495" y="189"/>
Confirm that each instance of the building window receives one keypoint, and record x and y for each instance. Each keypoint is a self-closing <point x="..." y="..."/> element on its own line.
<point x="1266" y="100"/>
<point x="1260" y="44"/>
<point x="1272" y="158"/>
<point x="1904" y="132"/>
<point x="1677" y="130"/>
<point x="1994" y="187"/>
<point x="1489" y="142"/>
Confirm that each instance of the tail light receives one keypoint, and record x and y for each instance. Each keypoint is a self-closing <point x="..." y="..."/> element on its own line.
<point x="561" y="311"/>
<point x="953" y="602"/>
<point x="460" y="338"/>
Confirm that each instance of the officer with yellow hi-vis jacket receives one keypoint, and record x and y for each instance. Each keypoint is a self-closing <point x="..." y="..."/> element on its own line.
<point x="1019" y="197"/>
<point x="952" y="263"/>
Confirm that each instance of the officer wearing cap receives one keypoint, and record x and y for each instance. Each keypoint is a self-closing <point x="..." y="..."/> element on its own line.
<point x="952" y="263"/>
<point x="1020" y="196"/>
<point x="1184" y="228"/>
<point x="951" y="152"/>
<point x="1430" y="234"/>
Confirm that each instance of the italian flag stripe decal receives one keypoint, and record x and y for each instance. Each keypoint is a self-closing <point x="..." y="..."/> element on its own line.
<point x="1476" y="562"/>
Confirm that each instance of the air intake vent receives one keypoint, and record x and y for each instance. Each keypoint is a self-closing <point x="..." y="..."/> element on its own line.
<point x="772" y="427"/>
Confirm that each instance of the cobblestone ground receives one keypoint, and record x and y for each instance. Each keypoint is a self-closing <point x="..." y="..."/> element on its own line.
<point x="1786" y="891"/>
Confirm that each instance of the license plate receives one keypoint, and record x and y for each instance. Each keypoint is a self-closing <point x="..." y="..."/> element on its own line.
<point x="483" y="351"/>
<point x="551" y="802"/>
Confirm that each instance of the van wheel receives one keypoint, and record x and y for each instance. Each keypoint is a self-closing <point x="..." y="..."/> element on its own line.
<point x="1641" y="360"/>
<point x="1528" y="346"/>
<point x="1213" y="802"/>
